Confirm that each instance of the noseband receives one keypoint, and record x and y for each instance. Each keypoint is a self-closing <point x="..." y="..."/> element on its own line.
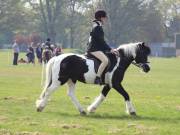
<point x="139" y="64"/>
<point x="144" y="66"/>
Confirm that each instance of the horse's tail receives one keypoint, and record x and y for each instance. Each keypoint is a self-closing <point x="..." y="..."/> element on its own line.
<point x="48" y="77"/>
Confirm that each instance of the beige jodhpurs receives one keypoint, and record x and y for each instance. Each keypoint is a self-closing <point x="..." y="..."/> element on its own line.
<point x="104" y="61"/>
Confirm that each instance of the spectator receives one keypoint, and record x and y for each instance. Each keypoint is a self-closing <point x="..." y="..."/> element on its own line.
<point x="16" y="51"/>
<point x="47" y="54"/>
<point x="30" y="55"/>
<point x="53" y="50"/>
<point x="48" y="43"/>
<point x="57" y="51"/>
<point x="39" y="53"/>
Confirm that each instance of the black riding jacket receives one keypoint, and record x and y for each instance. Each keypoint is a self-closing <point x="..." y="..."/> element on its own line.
<point x="96" y="40"/>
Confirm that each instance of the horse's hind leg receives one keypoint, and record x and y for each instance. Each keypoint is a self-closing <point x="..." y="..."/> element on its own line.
<point x="42" y="101"/>
<point x="99" y="99"/>
<point x="71" y="94"/>
<point x="129" y="106"/>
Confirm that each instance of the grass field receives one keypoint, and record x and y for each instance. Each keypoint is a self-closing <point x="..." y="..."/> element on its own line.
<point x="156" y="97"/>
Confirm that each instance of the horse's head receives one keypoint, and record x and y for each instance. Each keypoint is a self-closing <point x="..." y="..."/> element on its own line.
<point x="137" y="52"/>
<point x="141" y="57"/>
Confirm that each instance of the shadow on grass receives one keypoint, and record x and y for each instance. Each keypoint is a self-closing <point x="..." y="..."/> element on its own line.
<point x="123" y="117"/>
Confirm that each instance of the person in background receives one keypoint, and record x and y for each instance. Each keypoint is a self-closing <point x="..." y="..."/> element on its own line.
<point x="39" y="51"/>
<point x="57" y="51"/>
<point x="16" y="51"/>
<point x="47" y="54"/>
<point x="48" y="43"/>
<point x="30" y="55"/>
<point x="52" y="50"/>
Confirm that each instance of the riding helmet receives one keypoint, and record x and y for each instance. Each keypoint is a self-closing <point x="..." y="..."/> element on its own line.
<point x="99" y="14"/>
<point x="48" y="39"/>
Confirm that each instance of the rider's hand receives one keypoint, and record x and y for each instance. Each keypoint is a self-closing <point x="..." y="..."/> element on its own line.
<point x="115" y="51"/>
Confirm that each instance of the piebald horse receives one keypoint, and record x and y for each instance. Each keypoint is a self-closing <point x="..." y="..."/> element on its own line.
<point x="70" y="68"/>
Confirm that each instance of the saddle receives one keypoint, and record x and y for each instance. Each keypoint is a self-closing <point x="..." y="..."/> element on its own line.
<point x="97" y="63"/>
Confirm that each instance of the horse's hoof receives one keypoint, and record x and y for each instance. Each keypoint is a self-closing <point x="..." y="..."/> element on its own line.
<point x="83" y="113"/>
<point x="39" y="109"/>
<point x="133" y="114"/>
<point x="91" y="109"/>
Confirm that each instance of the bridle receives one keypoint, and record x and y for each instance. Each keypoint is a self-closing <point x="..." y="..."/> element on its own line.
<point x="139" y="64"/>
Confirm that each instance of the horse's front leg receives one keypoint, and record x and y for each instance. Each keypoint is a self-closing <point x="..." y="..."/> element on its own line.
<point x="99" y="99"/>
<point x="71" y="94"/>
<point x="129" y="106"/>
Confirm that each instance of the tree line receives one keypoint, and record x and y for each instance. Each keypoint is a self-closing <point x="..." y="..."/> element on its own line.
<point x="69" y="21"/>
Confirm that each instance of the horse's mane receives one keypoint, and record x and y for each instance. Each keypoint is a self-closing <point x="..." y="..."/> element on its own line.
<point x="130" y="48"/>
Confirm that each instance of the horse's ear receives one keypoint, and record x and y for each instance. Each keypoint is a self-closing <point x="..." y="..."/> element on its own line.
<point x="143" y="43"/>
<point x="148" y="50"/>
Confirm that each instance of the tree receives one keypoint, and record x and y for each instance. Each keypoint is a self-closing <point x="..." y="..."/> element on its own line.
<point x="123" y="19"/>
<point x="132" y="20"/>
<point x="48" y="10"/>
<point x="75" y="20"/>
<point x="14" y="18"/>
<point x="151" y="24"/>
<point x="170" y="10"/>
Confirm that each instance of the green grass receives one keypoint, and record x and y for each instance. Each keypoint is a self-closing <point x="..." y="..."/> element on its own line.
<point x="156" y="97"/>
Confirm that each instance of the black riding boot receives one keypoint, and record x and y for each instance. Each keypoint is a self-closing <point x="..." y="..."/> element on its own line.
<point x="98" y="80"/>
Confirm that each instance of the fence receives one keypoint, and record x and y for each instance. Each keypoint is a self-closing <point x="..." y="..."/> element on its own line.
<point x="163" y="49"/>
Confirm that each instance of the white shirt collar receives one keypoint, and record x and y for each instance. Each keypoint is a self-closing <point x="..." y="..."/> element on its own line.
<point x="95" y="24"/>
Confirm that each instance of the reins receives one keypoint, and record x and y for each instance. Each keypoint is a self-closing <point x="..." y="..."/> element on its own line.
<point x="138" y="65"/>
<point x="135" y="64"/>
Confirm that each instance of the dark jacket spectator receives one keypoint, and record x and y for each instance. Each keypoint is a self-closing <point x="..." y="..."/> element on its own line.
<point x="39" y="51"/>
<point x="48" y="43"/>
<point x="30" y="55"/>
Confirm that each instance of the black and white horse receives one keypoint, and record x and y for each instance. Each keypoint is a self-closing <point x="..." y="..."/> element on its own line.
<point x="70" y="68"/>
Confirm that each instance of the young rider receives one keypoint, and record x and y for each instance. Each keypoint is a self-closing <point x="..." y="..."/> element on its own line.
<point x="97" y="45"/>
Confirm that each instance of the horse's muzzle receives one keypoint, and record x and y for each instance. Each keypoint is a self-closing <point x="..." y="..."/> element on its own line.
<point x="145" y="67"/>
